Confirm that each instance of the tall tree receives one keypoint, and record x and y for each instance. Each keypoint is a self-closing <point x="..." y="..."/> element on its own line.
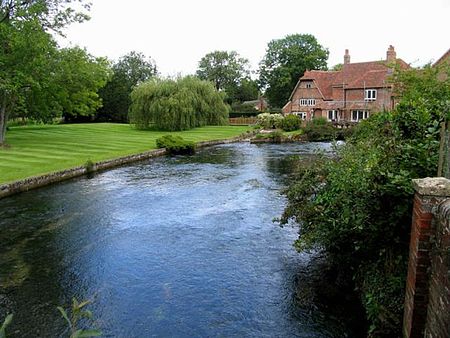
<point x="285" y="62"/>
<point x="129" y="71"/>
<point x="225" y="69"/>
<point x="79" y="78"/>
<point x="27" y="48"/>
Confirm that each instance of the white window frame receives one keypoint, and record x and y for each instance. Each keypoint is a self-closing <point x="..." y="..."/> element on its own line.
<point x="308" y="85"/>
<point x="370" y="95"/>
<point x="300" y="114"/>
<point x="359" y="115"/>
<point x="307" y="102"/>
<point x="334" y="115"/>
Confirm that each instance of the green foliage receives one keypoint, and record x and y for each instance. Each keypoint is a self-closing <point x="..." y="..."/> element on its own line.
<point x="128" y="71"/>
<point x="247" y="110"/>
<point x="337" y="67"/>
<point x="230" y="73"/>
<point x="78" y="78"/>
<point x="77" y="314"/>
<point x="291" y="123"/>
<point x="380" y="285"/>
<point x="358" y="205"/>
<point x="319" y="129"/>
<point x="269" y="121"/>
<point x="28" y="55"/>
<point x="5" y="324"/>
<point x="246" y="90"/>
<point x="319" y="121"/>
<point x="89" y="166"/>
<point x="275" y="136"/>
<point x="285" y="62"/>
<point x="180" y="104"/>
<point x="175" y="144"/>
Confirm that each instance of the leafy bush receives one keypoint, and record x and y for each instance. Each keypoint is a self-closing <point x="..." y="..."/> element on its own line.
<point x="358" y="205"/>
<point x="175" y="145"/>
<point x="269" y="121"/>
<point x="275" y="136"/>
<point x="319" y="121"/>
<point x="316" y="130"/>
<point x="89" y="166"/>
<point x="291" y="123"/>
<point x="179" y="104"/>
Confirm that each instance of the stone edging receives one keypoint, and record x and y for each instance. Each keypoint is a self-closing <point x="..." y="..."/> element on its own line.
<point x="29" y="183"/>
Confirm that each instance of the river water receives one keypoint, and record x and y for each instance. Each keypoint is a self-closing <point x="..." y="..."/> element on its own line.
<point x="171" y="247"/>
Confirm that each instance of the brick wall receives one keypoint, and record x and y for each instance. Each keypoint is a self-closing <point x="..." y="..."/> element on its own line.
<point x="438" y="312"/>
<point x="427" y="289"/>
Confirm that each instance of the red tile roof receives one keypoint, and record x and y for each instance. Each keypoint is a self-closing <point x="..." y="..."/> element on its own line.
<point x="372" y="74"/>
<point x="443" y="58"/>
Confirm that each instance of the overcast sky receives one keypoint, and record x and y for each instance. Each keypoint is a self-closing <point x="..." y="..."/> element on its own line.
<point x="178" y="33"/>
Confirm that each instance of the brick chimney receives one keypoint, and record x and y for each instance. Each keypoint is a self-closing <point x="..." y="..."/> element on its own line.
<point x="346" y="57"/>
<point x="391" y="55"/>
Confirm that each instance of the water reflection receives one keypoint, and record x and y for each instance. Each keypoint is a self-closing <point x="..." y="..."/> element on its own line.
<point x="172" y="247"/>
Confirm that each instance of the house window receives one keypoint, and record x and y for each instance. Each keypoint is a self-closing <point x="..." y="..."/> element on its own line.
<point x="332" y="115"/>
<point x="301" y="115"/>
<point x="307" y="102"/>
<point x="358" y="115"/>
<point x="370" y="95"/>
<point x="308" y="85"/>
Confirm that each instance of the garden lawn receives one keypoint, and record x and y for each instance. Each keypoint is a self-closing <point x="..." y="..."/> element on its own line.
<point x="37" y="150"/>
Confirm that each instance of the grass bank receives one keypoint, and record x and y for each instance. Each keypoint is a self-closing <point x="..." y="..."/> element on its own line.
<point x="37" y="150"/>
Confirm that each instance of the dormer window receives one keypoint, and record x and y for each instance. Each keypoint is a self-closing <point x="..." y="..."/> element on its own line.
<point x="308" y="84"/>
<point x="370" y="95"/>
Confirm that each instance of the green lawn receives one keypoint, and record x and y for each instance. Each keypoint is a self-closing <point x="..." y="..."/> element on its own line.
<point x="36" y="150"/>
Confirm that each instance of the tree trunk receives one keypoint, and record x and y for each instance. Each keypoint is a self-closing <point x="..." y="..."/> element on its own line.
<point x="3" y="121"/>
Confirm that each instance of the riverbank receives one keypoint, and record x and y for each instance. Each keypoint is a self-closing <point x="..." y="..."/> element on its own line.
<point x="41" y="155"/>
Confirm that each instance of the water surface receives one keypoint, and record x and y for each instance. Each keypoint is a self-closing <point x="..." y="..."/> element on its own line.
<point x="170" y="247"/>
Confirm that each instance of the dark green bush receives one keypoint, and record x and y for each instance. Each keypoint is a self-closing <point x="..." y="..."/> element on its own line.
<point x="319" y="121"/>
<point x="291" y="123"/>
<point x="358" y="205"/>
<point x="315" y="131"/>
<point x="175" y="145"/>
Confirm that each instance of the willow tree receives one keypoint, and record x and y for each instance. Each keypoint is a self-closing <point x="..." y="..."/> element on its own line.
<point x="180" y="104"/>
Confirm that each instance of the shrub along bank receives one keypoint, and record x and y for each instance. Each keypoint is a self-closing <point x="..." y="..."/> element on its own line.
<point x="358" y="206"/>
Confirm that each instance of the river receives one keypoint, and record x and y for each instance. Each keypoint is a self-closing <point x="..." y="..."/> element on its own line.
<point x="170" y="247"/>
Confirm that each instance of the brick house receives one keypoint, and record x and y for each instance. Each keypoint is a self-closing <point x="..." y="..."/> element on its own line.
<point x="350" y="94"/>
<point x="443" y="59"/>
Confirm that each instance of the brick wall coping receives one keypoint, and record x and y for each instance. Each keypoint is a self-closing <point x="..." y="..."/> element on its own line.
<point x="432" y="186"/>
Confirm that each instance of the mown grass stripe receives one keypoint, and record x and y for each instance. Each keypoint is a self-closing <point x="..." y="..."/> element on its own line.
<point x="37" y="150"/>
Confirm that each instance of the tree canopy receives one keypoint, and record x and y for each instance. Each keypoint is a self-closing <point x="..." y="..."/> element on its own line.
<point x="130" y="70"/>
<point x="230" y="73"/>
<point x="27" y="52"/>
<point x="179" y="104"/>
<point x="285" y="62"/>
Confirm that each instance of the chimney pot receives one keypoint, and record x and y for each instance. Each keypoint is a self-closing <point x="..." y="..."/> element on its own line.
<point x="346" y="57"/>
<point x="391" y="55"/>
